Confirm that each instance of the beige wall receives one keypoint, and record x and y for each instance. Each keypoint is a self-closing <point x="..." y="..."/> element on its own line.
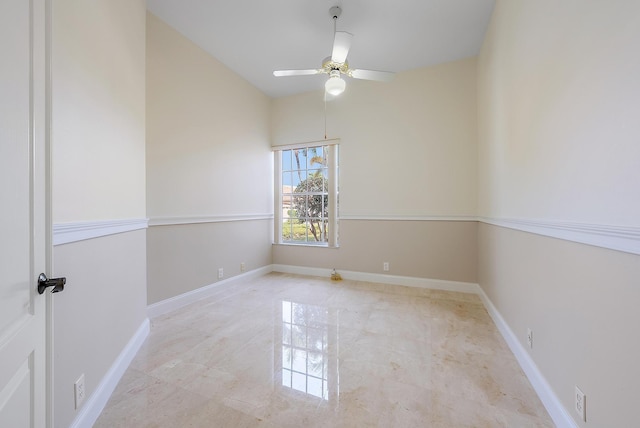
<point x="208" y="147"/>
<point x="408" y="149"/>
<point x="558" y="112"/>
<point x="97" y="114"/>
<point x="558" y="96"/>
<point x="186" y="257"/>
<point x="581" y="303"/>
<point x="208" y="155"/>
<point x="102" y="306"/>
<point x="422" y="249"/>
<point x="98" y="146"/>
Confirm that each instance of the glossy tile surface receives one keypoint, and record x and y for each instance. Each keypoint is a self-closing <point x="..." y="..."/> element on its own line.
<point x="293" y="351"/>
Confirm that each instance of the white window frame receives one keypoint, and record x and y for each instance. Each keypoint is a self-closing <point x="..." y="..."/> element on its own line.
<point x="332" y="190"/>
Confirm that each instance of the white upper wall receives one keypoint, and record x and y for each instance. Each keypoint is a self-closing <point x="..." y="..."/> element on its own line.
<point x="208" y="151"/>
<point x="408" y="147"/>
<point x="98" y="110"/>
<point x="558" y="105"/>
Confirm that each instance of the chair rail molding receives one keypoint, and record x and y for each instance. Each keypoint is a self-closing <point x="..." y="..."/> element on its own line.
<point x="620" y="238"/>
<point x="176" y="220"/>
<point x="66" y="233"/>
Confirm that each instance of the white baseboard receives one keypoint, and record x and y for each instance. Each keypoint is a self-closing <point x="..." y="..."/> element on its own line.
<point x="173" y="303"/>
<point x="99" y="398"/>
<point x="408" y="281"/>
<point x="549" y="399"/>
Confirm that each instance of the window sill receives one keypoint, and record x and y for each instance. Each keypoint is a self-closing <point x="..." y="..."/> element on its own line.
<point x="304" y="244"/>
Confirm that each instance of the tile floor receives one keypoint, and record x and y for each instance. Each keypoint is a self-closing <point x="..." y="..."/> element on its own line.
<point x="293" y="351"/>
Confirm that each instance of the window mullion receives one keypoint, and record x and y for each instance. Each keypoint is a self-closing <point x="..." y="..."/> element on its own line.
<point x="332" y="160"/>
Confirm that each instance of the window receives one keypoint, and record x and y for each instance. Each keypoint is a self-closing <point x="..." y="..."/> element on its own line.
<point x="307" y="194"/>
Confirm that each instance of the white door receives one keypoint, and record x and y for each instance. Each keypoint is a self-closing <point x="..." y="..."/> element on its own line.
<point x="23" y="213"/>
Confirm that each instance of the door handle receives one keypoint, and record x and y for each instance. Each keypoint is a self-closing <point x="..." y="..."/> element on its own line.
<point x="56" y="283"/>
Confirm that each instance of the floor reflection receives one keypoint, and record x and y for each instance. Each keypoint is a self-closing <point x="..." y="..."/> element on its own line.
<point x="289" y="351"/>
<point x="306" y="341"/>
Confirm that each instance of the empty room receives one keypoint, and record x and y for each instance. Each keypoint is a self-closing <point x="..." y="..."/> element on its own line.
<point x="319" y="213"/>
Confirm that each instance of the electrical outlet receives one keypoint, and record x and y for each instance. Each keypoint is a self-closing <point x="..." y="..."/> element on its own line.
<point x="581" y="404"/>
<point x="220" y="273"/>
<point x="530" y="338"/>
<point x="79" y="391"/>
<point x="385" y="266"/>
<point x="243" y="267"/>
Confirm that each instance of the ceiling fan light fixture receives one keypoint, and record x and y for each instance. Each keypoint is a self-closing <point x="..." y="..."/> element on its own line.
<point x="335" y="85"/>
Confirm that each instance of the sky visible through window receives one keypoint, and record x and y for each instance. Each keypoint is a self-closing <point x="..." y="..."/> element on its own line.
<point x="309" y="160"/>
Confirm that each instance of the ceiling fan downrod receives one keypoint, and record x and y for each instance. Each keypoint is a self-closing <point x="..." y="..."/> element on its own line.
<point x="335" y="12"/>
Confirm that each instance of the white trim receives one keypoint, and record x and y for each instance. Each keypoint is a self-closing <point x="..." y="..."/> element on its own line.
<point x="327" y="142"/>
<point x="620" y="238"/>
<point x="408" y="281"/>
<point x="549" y="399"/>
<point x="176" y="302"/>
<point x="65" y="233"/>
<point x="348" y="216"/>
<point x="332" y="197"/>
<point x="277" y="197"/>
<point x="96" y="402"/>
<point x="170" y="221"/>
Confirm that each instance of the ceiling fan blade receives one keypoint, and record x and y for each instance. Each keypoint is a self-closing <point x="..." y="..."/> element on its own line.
<point x="381" y="76"/>
<point x="281" y="73"/>
<point x="341" y="45"/>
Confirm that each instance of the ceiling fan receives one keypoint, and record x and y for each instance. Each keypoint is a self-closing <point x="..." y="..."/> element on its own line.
<point x="337" y="65"/>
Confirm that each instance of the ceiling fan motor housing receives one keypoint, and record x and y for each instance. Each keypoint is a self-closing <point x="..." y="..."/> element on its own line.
<point x="328" y="65"/>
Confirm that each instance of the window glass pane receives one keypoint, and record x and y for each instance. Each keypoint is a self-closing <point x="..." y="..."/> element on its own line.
<point x="287" y="182"/>
<point x="316" y="172"/>
<point x="287" y="209"/>
<point x="299" y="159"/>
<point x="316" y="157"/>
<point x="299" y="181"/>
<point x="287" y="230"/>
<point x="286" y="160"/>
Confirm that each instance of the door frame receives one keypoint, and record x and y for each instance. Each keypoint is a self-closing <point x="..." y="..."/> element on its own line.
<point x="48" y="316"/>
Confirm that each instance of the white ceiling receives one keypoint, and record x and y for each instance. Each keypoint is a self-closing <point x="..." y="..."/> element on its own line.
<point x="256" y="37"/>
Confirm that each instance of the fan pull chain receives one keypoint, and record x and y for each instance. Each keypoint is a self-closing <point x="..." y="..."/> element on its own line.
<point x="325" y="116"/>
